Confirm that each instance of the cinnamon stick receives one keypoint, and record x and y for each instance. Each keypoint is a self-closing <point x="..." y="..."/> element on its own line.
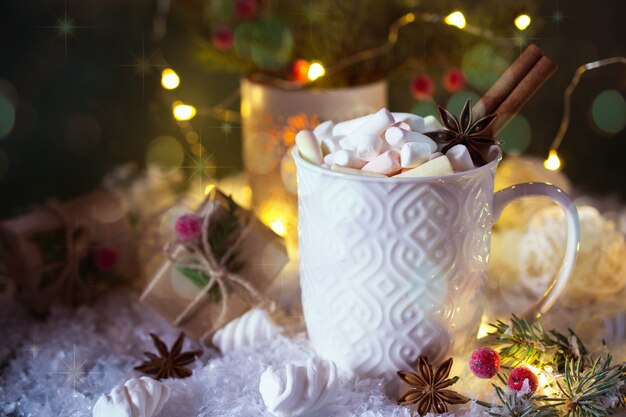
<point x="511" y="77"/>
<point x="522" y="92"/>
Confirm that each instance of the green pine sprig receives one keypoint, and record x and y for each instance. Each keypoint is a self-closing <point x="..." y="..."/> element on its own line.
<point x="512" y="404"/>
<point x="594" y="391"/>
<point x="585" y="385"/>
<point x="521" y="341"/>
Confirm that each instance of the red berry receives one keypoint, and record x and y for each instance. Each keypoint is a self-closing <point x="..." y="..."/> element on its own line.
<point x="246" y="9"/>
<point x="105" y="257"/>
<point x="188" y="227"/>
<point x="485" y="362"/>
<point x="453" y="80"/>
<point x="422" y="87"/>
<point x="300" y="70"/>
<point x="519" y="375"/>
<point x="223" y="38"/>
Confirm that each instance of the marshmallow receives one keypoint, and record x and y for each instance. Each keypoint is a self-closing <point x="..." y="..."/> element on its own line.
<point x="308" y="147"/>
<point x="397" y="137"/>
<point x="435" y="155"/>
<point x="374" y="125"/>
<point x="491" y="153"/>
<point x="414" y="154"/>
<point x="402" y="125"/>
<point x="346" y="144"/>
<point x="349" y="126"/>
<point x="435" y="168"/>
<point x="330" y="145"/>
<point x="346" y="170"/>
<point x="369" y="147"/>
<point x="416" y="123"/>
<point x="344" y="158"/>
<point x="460" y="158"/>
<point x="431" y="124"/>
<point x="324" y="130"/>
<point x="387" y="163"/>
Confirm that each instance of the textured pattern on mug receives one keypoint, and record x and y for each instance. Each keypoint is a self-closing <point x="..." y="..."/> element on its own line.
<point x="390" y="270"/>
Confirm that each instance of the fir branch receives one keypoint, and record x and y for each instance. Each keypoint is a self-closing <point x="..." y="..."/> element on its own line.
<point x="512" y="404"/>
<point x="524" y="342"/>
<point x="592" y="392"/>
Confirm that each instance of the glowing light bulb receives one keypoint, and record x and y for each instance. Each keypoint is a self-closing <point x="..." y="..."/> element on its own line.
<point x="208" y="189"/>
<point x="455" y="19"/>
<point x="279" y="227"/>
<point x="553" y="163"/>
<point x="183" y="111"/>
<point x="169" y="79"/>
<point x="316" y="70"/>
<point x="483" y="330"/>
<point x="522" y="21"/>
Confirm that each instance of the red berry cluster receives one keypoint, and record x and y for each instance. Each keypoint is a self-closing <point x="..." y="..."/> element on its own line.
<point x="485" y="363"/>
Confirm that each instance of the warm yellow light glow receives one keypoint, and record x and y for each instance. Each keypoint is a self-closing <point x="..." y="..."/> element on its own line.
<point x="169" y="79"/>
<point x="522" y="21"/>
<point x="455" y="19"/>
<point x="545" y="378"/>
<point x="183" y="111"/>
<point x="208" y="189"/>
<point x="316" y="70"/>
<point x="553" y="163"/>
<point x="484" y="329"/>
<point x="278" y="226"/>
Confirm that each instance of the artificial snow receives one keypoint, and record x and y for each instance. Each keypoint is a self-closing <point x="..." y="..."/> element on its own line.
<point x="59" y="367"/>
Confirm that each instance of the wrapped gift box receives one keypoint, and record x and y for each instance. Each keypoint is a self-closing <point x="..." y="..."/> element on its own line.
<point x="179" y="292"/>
<point x="69" y="251"/>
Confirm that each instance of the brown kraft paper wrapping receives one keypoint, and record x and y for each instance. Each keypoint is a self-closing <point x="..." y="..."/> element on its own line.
<point x="262" y="254"/>
<point x="48" y="250"/>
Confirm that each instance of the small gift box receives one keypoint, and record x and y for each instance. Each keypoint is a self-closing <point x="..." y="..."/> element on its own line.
<point x="221" y="263"/>
<point x="69" y="251"/>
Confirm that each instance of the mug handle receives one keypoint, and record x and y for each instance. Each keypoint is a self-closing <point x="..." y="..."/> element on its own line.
<point x="505" y="196"/>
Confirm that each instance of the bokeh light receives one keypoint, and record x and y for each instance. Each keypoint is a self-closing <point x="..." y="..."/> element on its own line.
<point x="4" y="164"/>
<point x="7" y="116"/>
<point x="300" y="70"/>
<point x="165" y="152"/>
<point x="112" y="211"/>
<point x="169" y="79"/>
<point x="457" y="101"/>
<point x="316" y="70"/>
<point x="183" y="111"/>
<point x="425" y="108"/>
<point x="553" y="163"/>
<point x="456" y="19"/>
<point x="192" y="137"/>
<point x="522" y="21"/>
<point x="608" y="112"/>
<point x="482" y="66"/>
<point x="516" y="135"/>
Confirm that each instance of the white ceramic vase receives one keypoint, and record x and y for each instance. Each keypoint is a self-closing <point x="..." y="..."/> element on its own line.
<point x="393" y="268"/>
<point x="271" y="118"/>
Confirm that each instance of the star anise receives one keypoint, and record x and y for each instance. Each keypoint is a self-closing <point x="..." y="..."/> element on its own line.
<point x="171" y="363"/>
<point x="429" y="387"/>
<point x="475" y="135"/>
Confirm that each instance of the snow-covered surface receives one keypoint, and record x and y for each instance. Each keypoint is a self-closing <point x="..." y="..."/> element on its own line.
<point x="59" y="367"/>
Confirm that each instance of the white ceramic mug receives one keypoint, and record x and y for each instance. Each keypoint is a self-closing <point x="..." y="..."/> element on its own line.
<point x="395" y="267"/>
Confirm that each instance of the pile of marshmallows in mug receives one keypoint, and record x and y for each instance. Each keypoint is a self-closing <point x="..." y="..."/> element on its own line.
<point x="382" y="144"/>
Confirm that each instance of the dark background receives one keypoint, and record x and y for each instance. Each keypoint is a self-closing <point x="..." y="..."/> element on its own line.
<point x="85" y="103"/>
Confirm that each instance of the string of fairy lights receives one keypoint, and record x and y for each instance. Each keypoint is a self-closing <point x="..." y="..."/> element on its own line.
<point x="308" y="71"/>
<point x="311" y="71"/>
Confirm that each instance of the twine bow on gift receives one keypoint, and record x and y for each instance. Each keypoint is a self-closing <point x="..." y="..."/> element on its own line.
<point x="76" y="250"/>
<point x="204" y="259"/>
